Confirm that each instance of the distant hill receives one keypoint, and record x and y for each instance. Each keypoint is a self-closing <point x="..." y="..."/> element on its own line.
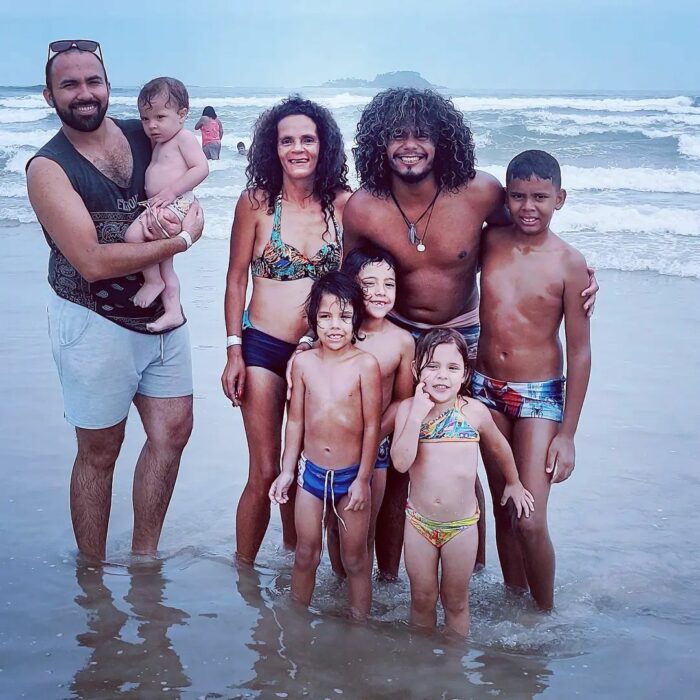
<point x="398" y="78"/>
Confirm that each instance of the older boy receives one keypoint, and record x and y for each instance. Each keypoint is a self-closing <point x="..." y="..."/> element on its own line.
<point x="530" y="280"/>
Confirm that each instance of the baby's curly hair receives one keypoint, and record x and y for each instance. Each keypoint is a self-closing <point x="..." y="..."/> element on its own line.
<point x="424" y="112"/>
<point x="264" y="171"/>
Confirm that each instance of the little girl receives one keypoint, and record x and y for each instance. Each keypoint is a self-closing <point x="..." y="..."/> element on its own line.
<point x="436" y="436"/>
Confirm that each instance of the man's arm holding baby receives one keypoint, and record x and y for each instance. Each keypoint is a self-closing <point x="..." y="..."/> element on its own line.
<point x="62" y="213"/>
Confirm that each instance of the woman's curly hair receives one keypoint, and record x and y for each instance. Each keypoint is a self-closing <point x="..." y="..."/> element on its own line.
<point x="264" y="171"/>
<point x="424" y="112"/>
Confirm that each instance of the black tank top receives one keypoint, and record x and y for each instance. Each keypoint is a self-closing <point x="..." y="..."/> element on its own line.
<point x="112" y="209"/>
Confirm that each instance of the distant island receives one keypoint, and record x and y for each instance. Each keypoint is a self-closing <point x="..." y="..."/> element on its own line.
<point x="397" y="78"/>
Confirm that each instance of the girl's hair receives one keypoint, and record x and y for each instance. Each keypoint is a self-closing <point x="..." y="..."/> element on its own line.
<point x="264" y="171"/>
<point x="346" y="290"/>
<point x="425" y="349"/>
<point x="173" y="89"/>
<point x="424" y="112"/>
<point x="208" y="111"/>
<point x="357" y="258"/>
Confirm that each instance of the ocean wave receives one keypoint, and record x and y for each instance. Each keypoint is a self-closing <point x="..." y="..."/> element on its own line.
<point x="674" y="105"/>
<point x="635" y="179"/>
<point x="13" y="190"/>
<point x="16" y="213"/>
<point x="263" y="101"/>
<point x="551" y="128"/>
<point x="24" y="102"/>
<point x="639" y="253"/>
<point x="18" y="159"/>
<point x="15" y="116"/>
<point x="689" y="145"/>
<point x="36" y="137"/>
<point x="617" y="120"/>
<point x="604" y="218"/>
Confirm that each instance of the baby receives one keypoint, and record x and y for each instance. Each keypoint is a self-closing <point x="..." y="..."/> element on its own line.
<point x="177" y="166"/>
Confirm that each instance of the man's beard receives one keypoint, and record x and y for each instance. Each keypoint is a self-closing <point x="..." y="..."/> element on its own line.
<point x="85" y="123"/>
<point x="411" y="177"/>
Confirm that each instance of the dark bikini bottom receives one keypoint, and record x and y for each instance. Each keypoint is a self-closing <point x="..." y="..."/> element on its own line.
<point x="263" y="350"/>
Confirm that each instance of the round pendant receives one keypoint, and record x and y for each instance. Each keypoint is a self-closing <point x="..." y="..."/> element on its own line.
<point x="420" y="248"/>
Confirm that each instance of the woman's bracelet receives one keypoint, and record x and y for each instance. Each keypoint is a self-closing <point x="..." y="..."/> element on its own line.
<point x="306" y="339"/>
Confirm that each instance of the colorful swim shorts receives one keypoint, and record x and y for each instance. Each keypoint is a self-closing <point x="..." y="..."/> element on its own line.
<point x="521" y="399"/>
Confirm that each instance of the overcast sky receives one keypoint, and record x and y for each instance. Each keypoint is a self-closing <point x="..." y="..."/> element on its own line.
<point x="489" y="45"/>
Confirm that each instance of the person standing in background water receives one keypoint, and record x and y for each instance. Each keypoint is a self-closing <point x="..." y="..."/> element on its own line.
<point x="212" y="133"/>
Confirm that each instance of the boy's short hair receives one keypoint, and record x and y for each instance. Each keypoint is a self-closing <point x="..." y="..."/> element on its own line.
<point x="357" y="258"/>
<point x="538" y="163"/>
<point x="239" y="144"/>
<point x="171" y="87"/>
<point x="342" y="287"/>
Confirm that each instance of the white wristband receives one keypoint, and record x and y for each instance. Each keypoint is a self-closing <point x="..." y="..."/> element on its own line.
<point x="233" y="340"/>
<point x="187" y="238"/>
<point x="306" y="339"/>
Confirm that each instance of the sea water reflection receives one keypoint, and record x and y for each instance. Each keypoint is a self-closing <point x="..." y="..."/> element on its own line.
<point x="132" y="654"/>
<point x="262" y="645"/>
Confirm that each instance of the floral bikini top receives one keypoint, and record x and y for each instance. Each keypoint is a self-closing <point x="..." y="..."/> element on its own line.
<point x="283" y="262"/>
<point x="449" y="426"/>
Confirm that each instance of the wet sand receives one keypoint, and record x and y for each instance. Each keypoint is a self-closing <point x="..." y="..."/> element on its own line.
<point x="627" y="621"/>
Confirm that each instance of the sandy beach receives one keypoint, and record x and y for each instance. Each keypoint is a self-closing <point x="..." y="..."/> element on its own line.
<point x="192" y="625"/>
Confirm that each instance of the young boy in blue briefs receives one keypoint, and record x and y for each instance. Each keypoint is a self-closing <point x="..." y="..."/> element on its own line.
<point x="531" y="280"/>
<point x="331" y="438"/>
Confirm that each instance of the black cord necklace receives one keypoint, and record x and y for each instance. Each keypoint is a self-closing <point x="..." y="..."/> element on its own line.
<point x="413" y="237"/>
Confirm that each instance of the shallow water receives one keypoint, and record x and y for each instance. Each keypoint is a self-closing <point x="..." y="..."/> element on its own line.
<point x="192" y="625"/>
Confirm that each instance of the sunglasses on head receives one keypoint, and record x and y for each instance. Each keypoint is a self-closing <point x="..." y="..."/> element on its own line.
<point x="56" y="47"/>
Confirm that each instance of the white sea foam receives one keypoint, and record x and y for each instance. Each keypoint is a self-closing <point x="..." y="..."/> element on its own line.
<point x="17" y="213"/>
<point x="583" y="129"/>
<point x="345" y="99"/>
<point x="636" y="179"/>
<point x="679" y="105"/>
<point x="15" y="116"/>
<point x="36" y="137"/>
<point x="18" y="159"/>
<point x="36" y="101"/>
<point x="615" y="120"/>
<point x="639" y="252"/>
<point x="604" y="218"/>
<point x="13" y="189"/>
<point x="689" y="145"/>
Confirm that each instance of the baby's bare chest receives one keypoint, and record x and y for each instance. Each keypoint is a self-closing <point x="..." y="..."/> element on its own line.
<point x="167" y="165"/>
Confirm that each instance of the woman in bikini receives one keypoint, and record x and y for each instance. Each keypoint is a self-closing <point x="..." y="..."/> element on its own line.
<point x="287" y="233"/>
<point x="436" y="439"/>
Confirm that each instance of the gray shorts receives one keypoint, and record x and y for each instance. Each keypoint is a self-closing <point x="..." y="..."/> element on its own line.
<point x="102" y="366"/>
<point x="212" y="150"/>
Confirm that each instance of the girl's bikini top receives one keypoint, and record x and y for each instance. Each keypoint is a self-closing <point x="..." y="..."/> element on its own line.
<point x="449" y="426"/>
<point x="283" y="262"/>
